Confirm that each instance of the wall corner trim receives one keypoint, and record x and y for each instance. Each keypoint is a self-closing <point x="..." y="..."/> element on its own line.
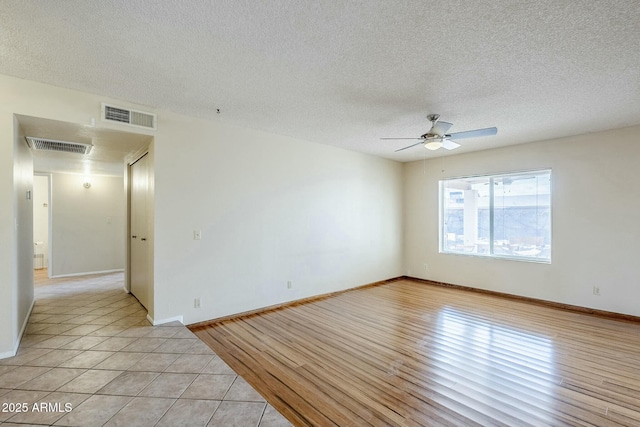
<point x="163" y="321"/>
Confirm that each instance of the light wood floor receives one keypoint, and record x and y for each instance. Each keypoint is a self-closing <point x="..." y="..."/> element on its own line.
<point x="408" y="353"/>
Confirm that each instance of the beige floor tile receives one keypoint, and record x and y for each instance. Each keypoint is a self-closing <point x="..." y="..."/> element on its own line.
<point x="175" y="345"/>
<point x="273" y="418"/>
<point x="54" y="358"/>
<point x="25" y="355"/>
<point x="104" y="320"/>
<point x="129" y="383"/>
<point x="95" y="411"/>
<point x="36" y="318"/>
<point x="6" y="368"/>
<point x="103" y="311"/>
<point x="213" y="387"/>
<point x="35" y="328"/>
<point x="120" y="361"/>
<point x="130" y="321"/>
<point x="192" y="363"/>
<point x="86" y="359"/>
<point x="84" y="319"/>
<point x="28" y="340"/>
<point x="168" y="385"/>
<point x="18" y="401"/>
<point x="55" y="341"/>
<point x="217" y="366"/>
<point x="82" y="330"/>
<point x="169" y="332"/>
<point x="155" y="362"/>
<point x="108" y="331"/>
<point x="237" y="414"/>
<point x="242" y="391"/>
<point x="184" y="333"/>
<point x="144" y="345"/>
<point x="141" y="412"/>
<point x="60" y="318"/>
<point x="57" y="329"/>
<point x="114" y="344"/>
<point x="189" y="413"/>
<point x="79" y="311"/>
<point x="50" y="408"/>
<point x="52" y="379"/>
<point x="83" y="343"/>
<point x="136" y="331"/>
<point x="21" y="375"/>
<point x="102" y="343"/>
<point x="199" y="347"/>
<point x="90" y="381"/>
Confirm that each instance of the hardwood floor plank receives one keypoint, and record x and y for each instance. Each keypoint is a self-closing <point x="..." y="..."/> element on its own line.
<point x="411" y="354"/>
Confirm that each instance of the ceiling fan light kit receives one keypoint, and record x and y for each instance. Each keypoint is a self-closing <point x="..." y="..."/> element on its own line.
<point x="432" y="145"/>
<point x="437" y="137"/>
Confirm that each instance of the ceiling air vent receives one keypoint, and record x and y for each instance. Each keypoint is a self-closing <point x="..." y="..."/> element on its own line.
<point x="44" y="144"/>
<point x="128" y="116"/>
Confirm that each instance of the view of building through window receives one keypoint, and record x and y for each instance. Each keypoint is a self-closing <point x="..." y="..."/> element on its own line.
<point x="507" y="215"/>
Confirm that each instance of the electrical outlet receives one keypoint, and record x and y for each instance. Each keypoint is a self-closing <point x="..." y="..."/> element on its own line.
<point x="596" y="290"/>
<point x="197" y="234"/>
<point x="196" y="302"/>
<point x="289" y="285"/>
<point x="426" y="266"/>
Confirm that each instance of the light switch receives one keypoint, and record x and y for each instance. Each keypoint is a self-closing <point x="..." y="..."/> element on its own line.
<point x="197" y="234"/>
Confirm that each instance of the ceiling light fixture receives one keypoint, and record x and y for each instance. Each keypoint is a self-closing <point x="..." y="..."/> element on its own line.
<point x="433" y="145"/>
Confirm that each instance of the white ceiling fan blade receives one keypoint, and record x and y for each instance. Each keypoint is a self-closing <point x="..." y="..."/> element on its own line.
<point x="473" y="133"/>
<point x="440" y="128"/>
<point x="412" y="145"/>
<point x="401" y="138"/>
<point x="448" y="144"/>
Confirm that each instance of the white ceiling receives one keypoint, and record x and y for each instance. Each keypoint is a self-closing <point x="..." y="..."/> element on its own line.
<point x="345" y="73"/>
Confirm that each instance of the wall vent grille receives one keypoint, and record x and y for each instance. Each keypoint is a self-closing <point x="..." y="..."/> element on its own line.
<point x="111" y="113"/>
<point x="44" y="144"/>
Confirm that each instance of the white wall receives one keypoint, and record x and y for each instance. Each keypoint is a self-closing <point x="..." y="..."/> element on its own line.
<point x="88" y="224"/>
<point x="595" y="231"/>
<point x="7" y="237"/>
<point x="23" y="193"/>
<point x="16" y="234"/>
<point x="271" y="209"/>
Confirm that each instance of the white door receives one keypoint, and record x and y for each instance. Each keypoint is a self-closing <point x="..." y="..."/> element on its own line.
<point x="139" y="238"/>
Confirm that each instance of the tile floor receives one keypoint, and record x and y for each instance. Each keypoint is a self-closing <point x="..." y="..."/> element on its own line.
<point x="89" y="357"/>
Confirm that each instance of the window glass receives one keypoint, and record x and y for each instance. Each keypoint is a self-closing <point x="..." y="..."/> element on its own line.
<point x="507" y="215"/>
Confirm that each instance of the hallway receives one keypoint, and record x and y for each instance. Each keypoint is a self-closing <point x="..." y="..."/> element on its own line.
<point x="89" y="357"/>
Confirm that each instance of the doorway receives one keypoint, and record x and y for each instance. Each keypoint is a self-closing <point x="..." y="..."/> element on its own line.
<point x="41" y="221"/>
<point x="140" y="261"/>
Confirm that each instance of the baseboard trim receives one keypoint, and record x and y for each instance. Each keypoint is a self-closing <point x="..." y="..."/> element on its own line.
<point x="87" y="273"/>
<point x="163" y="321"/>
<point x="261" y="310"/>
<point x="552" y="304"/>
<point x="558" y="305"/>
<point x="13" y="352"/>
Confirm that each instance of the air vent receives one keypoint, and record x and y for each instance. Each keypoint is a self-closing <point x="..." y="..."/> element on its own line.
<point x="62" y="146"/>
<point x="129" y="117"/>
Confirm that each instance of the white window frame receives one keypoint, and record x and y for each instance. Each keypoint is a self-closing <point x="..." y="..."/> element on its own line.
<point x="442" y="229"/>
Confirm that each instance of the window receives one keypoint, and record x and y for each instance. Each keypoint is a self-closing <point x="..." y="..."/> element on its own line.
<point x="505" y="216"/>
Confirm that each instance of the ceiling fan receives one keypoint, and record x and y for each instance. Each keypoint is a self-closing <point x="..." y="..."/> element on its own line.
<point x="437" y="137"/>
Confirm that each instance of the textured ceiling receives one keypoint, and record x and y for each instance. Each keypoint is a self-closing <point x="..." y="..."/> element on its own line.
<point x="345" y="73"/>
